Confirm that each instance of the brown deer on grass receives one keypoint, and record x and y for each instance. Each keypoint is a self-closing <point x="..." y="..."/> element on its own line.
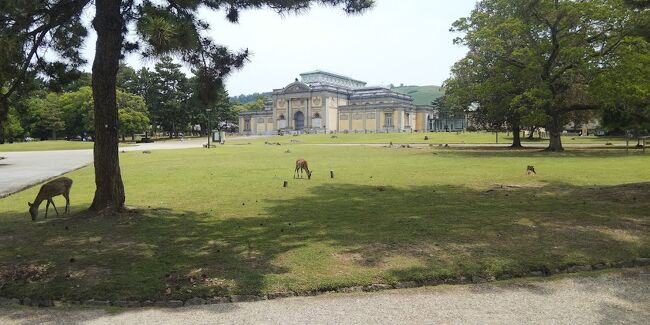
<point x="59" y="186"/>
<point x="301" y="165"/>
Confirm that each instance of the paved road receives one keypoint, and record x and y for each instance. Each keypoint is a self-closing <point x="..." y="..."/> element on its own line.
<point x="22" y="169"/>
<point x="603" y="299"/>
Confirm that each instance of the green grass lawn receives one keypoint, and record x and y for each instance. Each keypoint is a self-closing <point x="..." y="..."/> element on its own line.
<point x="215" y="222"/>
<point x="45" y="145"/>
<point x="433" y="138"/>
<point x="49" y="145"/>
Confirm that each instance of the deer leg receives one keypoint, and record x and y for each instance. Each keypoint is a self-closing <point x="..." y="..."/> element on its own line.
<point x="67" y="203"/>
<point x="47" y="207"/>
<point x="57" y="211"/>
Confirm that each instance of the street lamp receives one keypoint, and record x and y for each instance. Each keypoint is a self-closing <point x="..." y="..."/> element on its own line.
<point x="207" y="115"/>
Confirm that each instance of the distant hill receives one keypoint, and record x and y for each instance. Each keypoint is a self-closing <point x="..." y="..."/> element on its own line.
<point x="422" y="95"/>
<point x="248" y="98"/>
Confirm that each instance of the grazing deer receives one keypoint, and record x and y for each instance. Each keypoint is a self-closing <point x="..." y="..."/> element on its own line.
<point x="59" y="186"/>
<point x="301" y="165"/>
<point x="530" y="170"/>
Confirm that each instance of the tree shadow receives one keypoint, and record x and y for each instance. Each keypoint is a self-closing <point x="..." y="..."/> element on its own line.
<point x="337" y="235"/>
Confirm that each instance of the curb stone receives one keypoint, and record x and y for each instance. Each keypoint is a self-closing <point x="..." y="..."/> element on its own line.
<point x="637" y="262"/>
<point x="100" y="303"/>
<point x="126" y="304"/>
<point x="195" y="302"/>
<point x="218" y="300"/>
<point x="405" y="285"/>
<point x="168" y="304"/>
<point x="9" y="302"/>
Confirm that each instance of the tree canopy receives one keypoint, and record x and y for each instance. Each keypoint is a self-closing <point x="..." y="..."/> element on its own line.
<point x="538" y="56"/>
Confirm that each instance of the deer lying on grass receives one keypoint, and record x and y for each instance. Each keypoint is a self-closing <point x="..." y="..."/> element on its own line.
<point x="301" y="165"/>
<point x="59" y="186"/>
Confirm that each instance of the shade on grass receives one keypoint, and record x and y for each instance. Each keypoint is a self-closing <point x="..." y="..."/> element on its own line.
<point x="212" y="222"/>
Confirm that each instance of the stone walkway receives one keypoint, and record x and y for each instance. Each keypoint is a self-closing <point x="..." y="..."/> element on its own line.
<point x="603" y="298"/>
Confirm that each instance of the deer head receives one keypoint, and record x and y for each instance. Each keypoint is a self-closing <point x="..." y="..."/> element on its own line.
<point x="33" y="210"/>
<point x="309" y="174"/>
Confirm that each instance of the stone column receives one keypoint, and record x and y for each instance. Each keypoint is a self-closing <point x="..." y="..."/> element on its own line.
<point x="289" y="116"/>
<point x="377" y="120"/>
<point x="400" y="121"/>
<point x="351" y="115"/>
<point x="308" y="115"/>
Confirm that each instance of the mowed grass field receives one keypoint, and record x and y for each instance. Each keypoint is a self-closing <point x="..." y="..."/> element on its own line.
<point x="45" y="145"/>
<point x="218" y="222"/>
<point x="49" y="145"/>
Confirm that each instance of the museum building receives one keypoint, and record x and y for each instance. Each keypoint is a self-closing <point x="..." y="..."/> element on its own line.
<point x="325" y="102"/>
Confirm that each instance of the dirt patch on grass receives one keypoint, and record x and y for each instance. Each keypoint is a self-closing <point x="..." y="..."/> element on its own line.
<point x="22" y="272"/>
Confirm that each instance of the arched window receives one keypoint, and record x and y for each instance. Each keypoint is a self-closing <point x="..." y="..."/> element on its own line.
<point x="281" y="118"/>
<point x="316" y="115"/>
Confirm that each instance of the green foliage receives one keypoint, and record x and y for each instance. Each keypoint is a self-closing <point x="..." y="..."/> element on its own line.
<point x="527" y="57"/>
<point x="11" y="129"/>
<point x="624" y="88"/>
<point x="78" y="111"/>
<point x="45" y="117"/>
<point x="256" y="105"/>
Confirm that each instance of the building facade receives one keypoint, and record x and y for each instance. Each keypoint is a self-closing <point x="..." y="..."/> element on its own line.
<point x="327" y="102"/>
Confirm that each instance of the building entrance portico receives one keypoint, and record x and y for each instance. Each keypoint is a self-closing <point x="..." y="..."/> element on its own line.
<point x="299" y="119"/>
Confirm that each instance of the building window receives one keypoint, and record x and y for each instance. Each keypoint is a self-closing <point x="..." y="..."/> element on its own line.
<point x="388" y="120"/>
<point x="407" y="117"/>
<point x="316" y="115"/>
<point x="281" y="118"/>
<point x="247" y="124"/>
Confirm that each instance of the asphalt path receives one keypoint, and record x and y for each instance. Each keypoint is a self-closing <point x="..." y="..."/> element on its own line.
<point x="605" y="298"/>
<point x="20" y="170"/>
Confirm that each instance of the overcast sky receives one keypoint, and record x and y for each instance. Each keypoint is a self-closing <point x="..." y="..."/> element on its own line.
<point x="398" y="41"/>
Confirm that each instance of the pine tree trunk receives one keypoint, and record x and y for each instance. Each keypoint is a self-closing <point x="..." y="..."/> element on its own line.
<point x="516" y="137"/>
<point x="108" y="23"/>
<point x="555" y="133"/>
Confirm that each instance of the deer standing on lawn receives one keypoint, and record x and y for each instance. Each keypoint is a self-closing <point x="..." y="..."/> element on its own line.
<point x="59" y="186"/>
<point x="301" y="165"/>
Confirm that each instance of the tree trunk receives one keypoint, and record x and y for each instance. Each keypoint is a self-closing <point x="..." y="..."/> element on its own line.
<point x="108" y="23"/>
<point x="555" y="133"/>
<point x="516" y="137"/>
